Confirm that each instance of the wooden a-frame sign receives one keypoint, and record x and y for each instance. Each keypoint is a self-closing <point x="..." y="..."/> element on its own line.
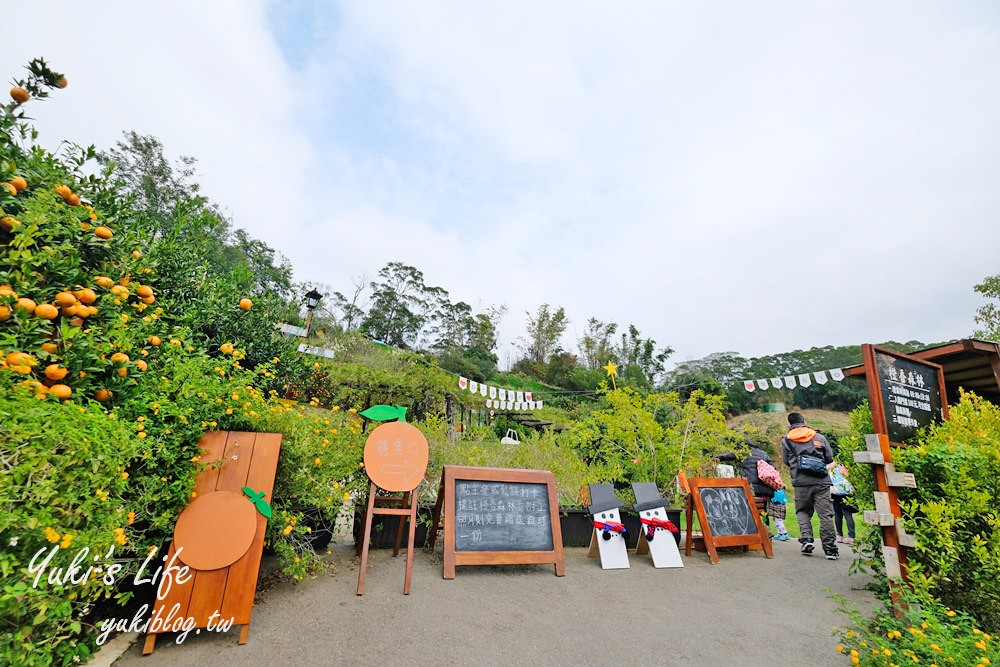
<point x="905" y="394"/>
<point x="494" y="516"/>
<point x="221" y="532"/>
<point x="727" y="515"/>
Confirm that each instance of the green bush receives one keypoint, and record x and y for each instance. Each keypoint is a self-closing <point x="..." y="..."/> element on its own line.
<point x="954" y="509"/>
<point x="929" y="633"/>
<point x="65" y="487"/>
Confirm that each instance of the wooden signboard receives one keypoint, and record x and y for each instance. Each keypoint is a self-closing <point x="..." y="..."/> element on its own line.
<point x="220" y="535"/>
<point x="494" y="516"/>
<point x="727" y="514"/>
<point x="395" y="460"/>
<point x="905" y="393"/>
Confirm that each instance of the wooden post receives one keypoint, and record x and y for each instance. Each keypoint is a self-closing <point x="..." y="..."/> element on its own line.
<point x="887" y="514"/>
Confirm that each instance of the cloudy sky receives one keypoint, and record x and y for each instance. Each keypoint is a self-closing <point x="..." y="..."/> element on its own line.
<point x="754" y="177"/>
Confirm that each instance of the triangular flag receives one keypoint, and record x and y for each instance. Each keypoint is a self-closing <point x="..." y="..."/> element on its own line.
<point x="489" y="403"/>
<point x="474" y="386"/>
<point x="820" y="377"/>
<point x="493" y="392"/>
<point x="482" y="390"/>
<point x="527" y="395"/>
<point x="539" y="404"/>
<point x="520" y="396"/>
<point x="804" y="379"/>
<point x="531" y="405"/>
<point x="790" y="381"/>
<point x="463" y="382"/>
<point x="762" y="384"/>
<point x="503" y="394"/>
<point x="776" y="383"/>
<point x="748" y="385"/>
<point x="837" y="374"/>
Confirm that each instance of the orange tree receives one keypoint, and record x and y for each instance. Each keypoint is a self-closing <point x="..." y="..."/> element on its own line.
<point x="105" y="392"/>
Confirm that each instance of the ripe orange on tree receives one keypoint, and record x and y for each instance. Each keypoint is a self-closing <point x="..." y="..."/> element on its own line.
<point x="103" y="395"/>
<point x="144" y="291"/>
<point x="19" y="183"/>
<point x="103" y="232"/>
<point x="104" y="281"/>
<point x="47" y="311"/>
<point x="63" y="191"/>
<point x="149" y="300"/>
<point x="86" y="295"/>
<point x="123" y="372"/>
<point x="4" y="313"/>
<point x="51" y="348"/>
<point x="55" y="372"/>
<point x="65" y="299"/>
<point x="60" y="391"/>
<point x="246" y="304"/>
<point x="141" y="365"/>
<point x="119" y="357"/>
<point x="9" y="187"/>
<point x="26" y="304"/>
<point x="155" y="341"/>
<point x="73" y="200"/>
<point x="20" y="95"/>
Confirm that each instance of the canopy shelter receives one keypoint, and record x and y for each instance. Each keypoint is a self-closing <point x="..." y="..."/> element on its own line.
<point x="971" y="364"/>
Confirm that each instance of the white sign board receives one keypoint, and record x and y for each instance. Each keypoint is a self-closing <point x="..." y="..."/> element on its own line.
<point x="290" y="329"/>
<point x="316" y="351"/>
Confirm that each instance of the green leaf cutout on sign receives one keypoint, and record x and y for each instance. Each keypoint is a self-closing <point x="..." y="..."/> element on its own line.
<point x="383" y="413"/>
<point x="257" y="498"/>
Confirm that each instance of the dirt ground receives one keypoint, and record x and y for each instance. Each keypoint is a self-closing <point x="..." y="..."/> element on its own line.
<point x="746" y="611"/>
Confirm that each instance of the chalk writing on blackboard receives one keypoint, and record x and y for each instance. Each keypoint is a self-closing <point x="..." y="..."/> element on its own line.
<point x="727" y="511"/>
<point x="911" y="395"/>
<point x="502" y="516"/>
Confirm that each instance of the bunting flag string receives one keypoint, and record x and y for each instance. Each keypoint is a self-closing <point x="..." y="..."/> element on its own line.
<point x="791" y="381"/>
<point x="499" y="398"/>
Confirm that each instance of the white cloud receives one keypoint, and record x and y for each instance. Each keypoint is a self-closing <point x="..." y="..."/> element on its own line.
<point x="726" y="176"/>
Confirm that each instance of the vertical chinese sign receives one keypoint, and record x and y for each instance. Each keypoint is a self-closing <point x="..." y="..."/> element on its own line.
<point x="906" y="394"/>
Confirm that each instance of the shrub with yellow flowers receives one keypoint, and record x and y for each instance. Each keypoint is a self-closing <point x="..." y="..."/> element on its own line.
<point x="928" y="634"/>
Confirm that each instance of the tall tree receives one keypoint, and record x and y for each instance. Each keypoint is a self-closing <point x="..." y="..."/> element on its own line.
<point x="988" y="315"/>
<point x="597" y="345"/>
<point x="402" y="306"/>
<point x="642" y="363"/>
<point x="544" y="331"/>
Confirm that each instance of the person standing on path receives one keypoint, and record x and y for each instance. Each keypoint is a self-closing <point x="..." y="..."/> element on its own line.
<point x="761" y="489"/>
<point x="807" y="454"/>
<point x="843" y="506"/>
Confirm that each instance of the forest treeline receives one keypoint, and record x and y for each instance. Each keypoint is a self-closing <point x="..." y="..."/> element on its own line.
<point x="399" y="308"/>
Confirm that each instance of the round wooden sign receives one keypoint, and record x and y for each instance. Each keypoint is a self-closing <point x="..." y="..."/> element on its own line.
<point x="215" y="530"/>
<point x="396" y="456"/>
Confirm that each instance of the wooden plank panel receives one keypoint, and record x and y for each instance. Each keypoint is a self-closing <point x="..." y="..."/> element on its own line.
<point x="236" y="462"/>
<point x="242" y="584"/>
<point x="206" y="595"/>
<point x="179" y="593"/>
<point x="213" y="448"/>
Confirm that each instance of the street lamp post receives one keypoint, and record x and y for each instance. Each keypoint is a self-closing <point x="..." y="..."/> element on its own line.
<point x="312" y="300"/>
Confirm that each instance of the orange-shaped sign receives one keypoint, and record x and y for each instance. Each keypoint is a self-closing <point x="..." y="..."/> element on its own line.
<point x="396" y="456"/>
<point x="215" y="530"/>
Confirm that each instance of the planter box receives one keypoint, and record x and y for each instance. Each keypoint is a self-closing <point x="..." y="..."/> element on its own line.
<point x="578" y="525"/>
<point x="384" y="527"/>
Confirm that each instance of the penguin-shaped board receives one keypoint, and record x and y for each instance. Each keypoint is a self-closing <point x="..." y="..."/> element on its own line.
<point x="657" y="534"/>
<point x="608" y="538"/>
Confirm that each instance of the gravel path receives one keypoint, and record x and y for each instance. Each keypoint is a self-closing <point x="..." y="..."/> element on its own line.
<point x="745" y="611"/>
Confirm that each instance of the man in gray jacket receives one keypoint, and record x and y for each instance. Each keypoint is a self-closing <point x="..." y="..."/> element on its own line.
<point x="807" y="452"/>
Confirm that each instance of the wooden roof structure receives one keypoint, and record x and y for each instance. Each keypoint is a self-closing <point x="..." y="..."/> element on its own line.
<point x="970" y="364"/>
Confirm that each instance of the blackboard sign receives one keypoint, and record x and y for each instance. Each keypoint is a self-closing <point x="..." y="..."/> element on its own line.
<point x="727" y="511"/>
<point x="501" y="516"/>
<point x="911" y="394"/>
<point x="494" y="516"/>
<point x="727" y="515"/>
